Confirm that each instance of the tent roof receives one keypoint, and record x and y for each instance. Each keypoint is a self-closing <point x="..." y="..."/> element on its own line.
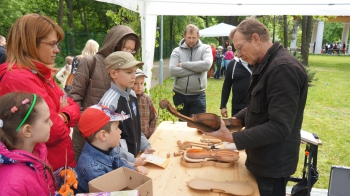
<point x="218" y="30"/>
<point x="237" y="7"/>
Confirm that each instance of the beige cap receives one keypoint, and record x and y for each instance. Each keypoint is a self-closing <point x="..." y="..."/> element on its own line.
<point x="139" y="73"/>
<point x="121" y="60"/>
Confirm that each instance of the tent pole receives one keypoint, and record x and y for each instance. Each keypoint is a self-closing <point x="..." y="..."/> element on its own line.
<point x="161" y="52"/>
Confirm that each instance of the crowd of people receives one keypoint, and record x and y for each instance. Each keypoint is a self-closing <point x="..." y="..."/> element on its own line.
<point x="334" y="48"/>
<point x="102" y="98"/>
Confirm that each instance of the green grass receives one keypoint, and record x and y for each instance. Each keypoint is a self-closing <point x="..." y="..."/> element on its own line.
<point x="327" y="111"/>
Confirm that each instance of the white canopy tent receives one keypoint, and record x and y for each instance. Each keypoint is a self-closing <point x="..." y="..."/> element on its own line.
<point x="149" y="9"/>
<point x="218" y="30"/>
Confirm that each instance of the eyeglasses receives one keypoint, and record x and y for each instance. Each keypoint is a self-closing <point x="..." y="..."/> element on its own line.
<point x="129" y="50"/>
<point x="53" y="44"/>
<point x="239" y="49"/>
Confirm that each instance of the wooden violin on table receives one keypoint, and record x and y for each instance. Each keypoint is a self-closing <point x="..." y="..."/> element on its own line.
<point x="207" y="122"/>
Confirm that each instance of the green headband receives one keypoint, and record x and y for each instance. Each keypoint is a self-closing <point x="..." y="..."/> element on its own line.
<point x="28" y="113"/>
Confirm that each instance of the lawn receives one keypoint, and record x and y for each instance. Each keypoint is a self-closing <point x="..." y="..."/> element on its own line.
<point x="327" y="111"/>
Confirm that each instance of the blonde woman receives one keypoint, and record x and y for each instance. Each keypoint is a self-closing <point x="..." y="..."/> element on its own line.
<point x="90" y="49"/>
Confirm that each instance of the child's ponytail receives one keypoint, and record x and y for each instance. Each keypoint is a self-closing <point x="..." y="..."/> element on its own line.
<point x="5" y="140"/>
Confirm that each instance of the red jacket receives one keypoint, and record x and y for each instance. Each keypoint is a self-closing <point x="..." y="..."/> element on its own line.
<point x="28" y="81"/>
<point x="213" y="51"/>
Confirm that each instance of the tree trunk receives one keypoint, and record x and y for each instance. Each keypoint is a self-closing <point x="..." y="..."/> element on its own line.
<point x="71" y="27"/>
<point x="285" y="31"/>
<point x="305" y="39"/>
<point x="60" y="13"/>
<point x="82" y="15"/>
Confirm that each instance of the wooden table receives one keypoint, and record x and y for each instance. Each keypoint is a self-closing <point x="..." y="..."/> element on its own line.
<point x="172" y="180"/>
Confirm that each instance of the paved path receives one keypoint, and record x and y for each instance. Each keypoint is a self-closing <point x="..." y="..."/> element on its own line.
<point x="155" y="72"/>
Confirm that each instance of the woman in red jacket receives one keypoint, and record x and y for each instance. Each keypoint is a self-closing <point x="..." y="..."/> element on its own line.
<point x="31" y="51"/>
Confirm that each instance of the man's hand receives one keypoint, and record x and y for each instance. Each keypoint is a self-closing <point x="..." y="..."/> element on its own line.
<point x="224" y="112"/>
<point x="179" y="65"/>
<point x="140" y="161"/>
<point x="142" y="170"/>
<point x="149" y="151"/>
<point x="223" y="133"/>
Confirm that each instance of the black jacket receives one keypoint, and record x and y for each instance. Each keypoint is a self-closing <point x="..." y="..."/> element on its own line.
<point x="275" y="105"/>
<point x="126" y="101"/>
<point x="3" y="55"/>
<point x="237" y="80"/>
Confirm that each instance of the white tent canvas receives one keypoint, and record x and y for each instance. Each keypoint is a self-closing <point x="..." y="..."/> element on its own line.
<point x="219" y="30"/>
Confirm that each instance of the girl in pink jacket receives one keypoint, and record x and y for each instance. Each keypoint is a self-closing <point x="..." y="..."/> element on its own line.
<point x="24" y="128"/>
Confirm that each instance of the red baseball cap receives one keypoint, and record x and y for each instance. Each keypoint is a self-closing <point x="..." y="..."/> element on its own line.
<point x="97" y="116"/>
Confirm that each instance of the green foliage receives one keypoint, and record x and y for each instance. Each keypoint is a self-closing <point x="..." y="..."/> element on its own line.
<point x="10" y="11"/>
<point x="159" y="93"/>
<point x="310" y="74"/>
<point x="332" y="32"/>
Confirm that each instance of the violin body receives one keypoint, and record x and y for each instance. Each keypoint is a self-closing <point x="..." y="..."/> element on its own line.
<point x="218" y="155"/>
<point x="207" y="122"/>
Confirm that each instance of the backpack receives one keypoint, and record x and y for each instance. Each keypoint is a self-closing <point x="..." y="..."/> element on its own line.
<point x="70" y="77"/>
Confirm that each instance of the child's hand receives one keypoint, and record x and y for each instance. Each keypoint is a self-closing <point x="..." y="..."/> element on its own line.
<point x="142" y="170"/>
<point x="71" y="179"/>
<point x="149" y="151"/>
<point x="65" y="190"/>
<point x="140" y="161"/>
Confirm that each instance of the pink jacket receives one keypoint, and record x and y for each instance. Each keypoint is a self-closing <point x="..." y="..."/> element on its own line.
<point x="229" y="55"/>
<point x="28" y="81"/>
<point x="23" y="173"/>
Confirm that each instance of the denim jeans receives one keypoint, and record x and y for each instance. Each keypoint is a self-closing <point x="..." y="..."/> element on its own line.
<point x="272" y="186"/>
<point x="218" y="69"/>
<point x="192" y="104"/>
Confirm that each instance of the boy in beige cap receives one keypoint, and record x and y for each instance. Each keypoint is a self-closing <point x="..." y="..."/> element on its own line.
<point x="121" y="67"/>
<point x="148" y="113"/>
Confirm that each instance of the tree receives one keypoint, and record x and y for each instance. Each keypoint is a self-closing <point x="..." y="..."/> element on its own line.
<point x="306" y="39"/>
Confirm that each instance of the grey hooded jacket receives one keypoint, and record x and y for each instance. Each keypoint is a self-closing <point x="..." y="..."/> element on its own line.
<point x="191" y="78"/>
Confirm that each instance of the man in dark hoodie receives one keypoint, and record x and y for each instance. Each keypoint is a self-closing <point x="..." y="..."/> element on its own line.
<point x="189" y="63"/>
<point x="91" y="79"/>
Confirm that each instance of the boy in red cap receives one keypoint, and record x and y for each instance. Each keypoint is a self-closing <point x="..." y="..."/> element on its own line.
<point x="99" y="126"/>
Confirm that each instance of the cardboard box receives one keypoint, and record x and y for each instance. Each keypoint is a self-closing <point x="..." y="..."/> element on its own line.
<point x="122" y="179"/>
